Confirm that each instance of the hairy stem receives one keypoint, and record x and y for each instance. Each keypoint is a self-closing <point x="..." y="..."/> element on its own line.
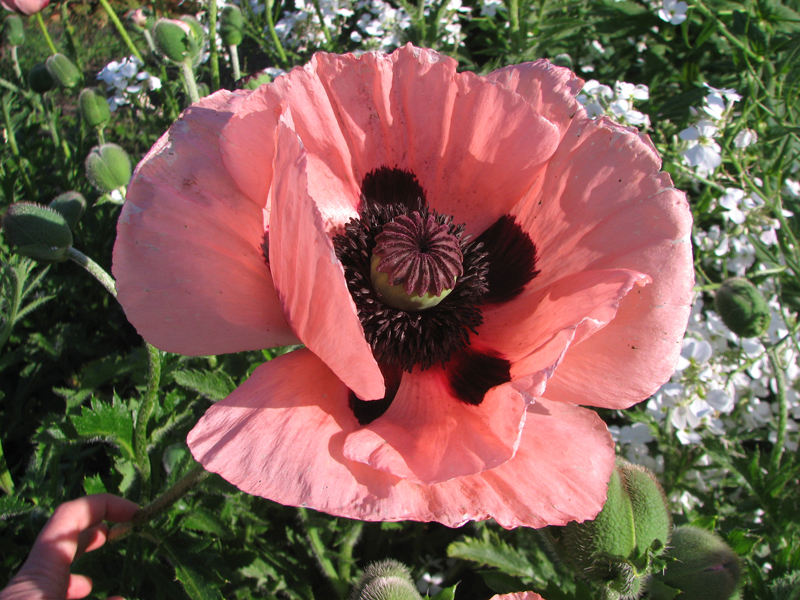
<point x="121" y="29"/>
<point x="783" y="410"/>
<point x="212" y="44"/>
<point x="47" y="37"/>
<point x="96" y="270"/>
<point x="145" y="410"/>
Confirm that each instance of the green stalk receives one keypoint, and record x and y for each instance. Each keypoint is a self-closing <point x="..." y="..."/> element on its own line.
<point x="6" y="482"/>
<point x="101" y="137"/>
<point x="237" y="73"/>
<point x="513" y="17"/>
<point x="12" y="142"/>
<point x="274" y="35"/>
<point x="212" y="43"/>
<point x="121" y="29"/>
<point x="96" y="270"/>
<point x="145" y="410"/>
<point x="326" y="32"/>
<point x="57" y="142"/>
<point x="15" y="60"/>
<point x="706" y="12"/>
<point x="160" y="504"/>
<point x="46" y="35"/>
<point x="188" y="79"/>
<point x="321" y="555"/>
<point x="783" y="410"/>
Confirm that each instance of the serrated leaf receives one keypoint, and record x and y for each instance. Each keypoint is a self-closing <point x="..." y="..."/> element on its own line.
<point x="109" y="422"/>
<point x="503" y="583"/>
<point x="707" y="523"/>
<point x="215" y="385"/>
<point x="446" y="594"/>
<point x="493" y="554"/>
<point x="742" y="542"/>
<point x="94" y="485"/>
<point x="203" y="520"/>
<point x="193" y="583"/>
<point x="11" y="506"/>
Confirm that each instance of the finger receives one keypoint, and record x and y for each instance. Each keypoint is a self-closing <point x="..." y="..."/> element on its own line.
<point x="91" y="539"/>
<point x="79" y="587"/>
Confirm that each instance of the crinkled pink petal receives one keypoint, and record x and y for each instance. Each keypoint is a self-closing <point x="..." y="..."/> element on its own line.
<point x="190" y="270"/>
<point x="281" y="435"/>
<point x="429" y="436"/>
<point x="518" y="596"/>
<point x="467" y="140"/>
<point x="25" y="7"/>
<point x="308" y="276"/>
<point x="604" y="205"/>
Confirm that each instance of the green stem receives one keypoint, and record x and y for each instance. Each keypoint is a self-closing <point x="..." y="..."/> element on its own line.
<point x="160" y="504"/>
<point x="513" y="17"/>
<point x="15" y="60"/>
<point x="188" y="79"/>
<point x="6" y="482"/>
<point x="237" y="73"/>
<point x="57" y="142"/>
<point x="322" y="555"/>
<point x="149" y="39"/>
<point x="145" y="410"/>
<point x="348" y="545"/>
<point x="101" y="137"/>
<point x="16" y="89"/>
<point x="706" y="12"/>
<point x="12" y="142"/>
<point x="274" y="35"/>
<point x="96" y="270"/>
<point x="46" y="34"/>
<point x="326" y="32"/>
<point x="783" y="410"/>
<point x="121" y="29"/>
<point x="212" y="44"/>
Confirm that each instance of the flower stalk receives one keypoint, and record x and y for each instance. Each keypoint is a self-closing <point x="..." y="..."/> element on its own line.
<point x="212" y="45"/>
<point x="47" y="37"/>
<point x="274" y="34"/>
<point x="121" y="29"/>
<point x="188" y="78"/>
<point x="237" y="73"/>
<point x="96" y="270"/>
<point x="783" y="409"/>
<point x="6" y="482"/>
<point x="145" y="410"/>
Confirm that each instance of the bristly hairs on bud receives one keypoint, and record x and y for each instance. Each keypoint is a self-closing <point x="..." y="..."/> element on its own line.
<point x="385" y="580"/>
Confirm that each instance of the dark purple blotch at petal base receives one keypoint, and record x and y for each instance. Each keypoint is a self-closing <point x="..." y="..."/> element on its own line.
<point x="512" y="260"/>
<point x="472" y="373"/>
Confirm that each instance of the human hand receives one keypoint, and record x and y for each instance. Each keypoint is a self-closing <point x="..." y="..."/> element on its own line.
<point x="75" y="527"/>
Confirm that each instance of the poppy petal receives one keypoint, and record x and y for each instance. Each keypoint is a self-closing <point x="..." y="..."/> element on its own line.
<point x="188" y="259"/>
<point x="309" y="278"/>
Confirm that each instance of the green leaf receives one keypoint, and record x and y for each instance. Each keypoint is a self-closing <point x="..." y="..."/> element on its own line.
<point x="11" y="506"/>
<point x="193" y="583"/>
<point x="108" y="422"/>
<point x="708" y="523"/>
<point x="503" y="583"/>
<point x="446" y="594"/>
<point x="492" y="553"/>
<point x="94" y="485"/>
<point x="742" y="542"/>
<point x="215" y="385"/>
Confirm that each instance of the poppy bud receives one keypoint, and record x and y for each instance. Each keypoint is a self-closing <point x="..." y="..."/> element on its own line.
<point x="385" y="580"/>
<point x="13" y="31"/>
<point x="141" y="18"/>
<point x="742" y="308"/>
<point x="63" y="71"/>
<point x="37" y="231"/>
<point x="705" y="567"/>
<point x="94" y="108"/>
<point x="71" y="206"/>
<point x="108" y="167"/>
<point x="178" y="39"/>
<point x="40" y="80"/>
<point x="231" y="25"/>
<point x="617" y="548"/>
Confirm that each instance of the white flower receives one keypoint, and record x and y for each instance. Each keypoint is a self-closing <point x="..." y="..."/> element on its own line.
<point x="702" y="152"/>
<point x="745" y="138"/>
<point x="489" y="7"/>
<point x="791" y="187"/>
<point x="734" y="199"/>
<point x="720" y="400"/>
<point x="673" y="12"/>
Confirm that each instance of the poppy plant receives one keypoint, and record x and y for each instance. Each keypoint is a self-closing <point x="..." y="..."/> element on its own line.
<point x="24" y="7"/>
<point x="465" y="260"/>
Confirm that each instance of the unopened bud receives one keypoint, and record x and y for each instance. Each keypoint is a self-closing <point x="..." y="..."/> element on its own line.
<point x="742" y="308"/>
<point x="40" y="80"/>
<point x="13" y="31"/>
<point x="231" y="25"/>
<point x="94" y="107"/>
<point x="705" y="567"/>
<point x="108" y="167"/>
<point x="142" y="18"/>
<point x="385" y="580"/>
<point x="618" y="547"/>
<point x="37" y="231"/>
<point x="63" y="71"/>
<point x="71" y="206"/>
<point x="178" y="39"/>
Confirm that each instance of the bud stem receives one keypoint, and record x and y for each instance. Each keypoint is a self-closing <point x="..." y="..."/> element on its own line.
<point x="237" y="74"/>
<point x="15" y="60"/>
<point x="188" y="78"/>
<point x="121" y="29"/>
<point x="160" y="504"/>
<point x="274" y="34"/>
<point x="6" y="483"/>
<point x="783" y="409"/>
<point x="212" y="44"/>
<point x="101" y="138"/>
<point x="96" y="270"/>
<point x="47" y="38"/>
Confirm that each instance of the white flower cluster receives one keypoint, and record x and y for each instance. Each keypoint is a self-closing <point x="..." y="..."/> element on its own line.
<point x="702" y="151"/>
<point x="673" y="11"/>
<point x="599" y="99"/>
<point x="380" y="24"/>
<point x="302" y="27"/>
<point x="124" y="79"/>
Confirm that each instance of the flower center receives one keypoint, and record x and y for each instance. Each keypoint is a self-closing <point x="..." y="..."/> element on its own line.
<point x="415" y="262"/>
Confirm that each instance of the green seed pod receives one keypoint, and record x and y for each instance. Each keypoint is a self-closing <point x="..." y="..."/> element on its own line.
<point x="385" y="580"/>
<point x="40" y="80"/>
<point x="616" y="549"/>
<point x="705" y="567"/>
<point x="63" y="71"/>
<point x="108" y="167"/>
<point x="37" y="232"/>
<point x="742" y="308"/>
<point x="231" y="25"/>
<point x="13" y="31"/>
<point x="178" y="39"/>
<point x="71" y="205"/>
<point x="94" y="108"/>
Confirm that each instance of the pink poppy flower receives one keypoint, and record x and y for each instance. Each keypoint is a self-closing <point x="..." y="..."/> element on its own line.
<point x="307" y="210"/>
<point x="24" y="7"/>
<point x="518" y="596"/>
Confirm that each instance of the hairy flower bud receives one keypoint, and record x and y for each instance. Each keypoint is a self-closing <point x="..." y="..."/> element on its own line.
<point x="742" y="308"/>
<point x="617" y="548"/>
<point x="37" y="231"/>
<point x="178" y="40"/>
<point x="71" y="205"/>
<point x="40" y="80"/>
<point x="13" y="31"/>
<point x="231" y="26"/>
<point x="705" y="567"/>
<point x="63" y="71"/>
<point x="108" y="167"/>
<point x="385" y="580"/>
<point x="94" y="108"/>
